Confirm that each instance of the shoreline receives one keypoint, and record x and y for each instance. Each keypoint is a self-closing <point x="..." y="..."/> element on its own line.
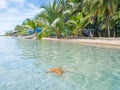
<point x="95" y="41"/>
<point x="99" y="42"/>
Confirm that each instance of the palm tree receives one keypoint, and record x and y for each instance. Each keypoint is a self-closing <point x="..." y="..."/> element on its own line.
<point x="115" y="22"/>
<point x="20" y="30"/>
<point x="80" y="22"/>
<point x="30" y="23"/>
<point x="52" y="17"/>
<point x="102" y="7"/>
<point x="17" y="28"/>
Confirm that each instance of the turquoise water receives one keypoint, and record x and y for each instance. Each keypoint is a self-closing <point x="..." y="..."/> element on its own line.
<point x="24" y="63"/>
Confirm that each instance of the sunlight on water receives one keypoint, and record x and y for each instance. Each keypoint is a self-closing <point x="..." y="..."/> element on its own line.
<point x="24" y="63"/>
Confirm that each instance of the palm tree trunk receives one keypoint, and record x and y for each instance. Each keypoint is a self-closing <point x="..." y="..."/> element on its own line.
<point x="57" y="33"/>
<point x="99" y="35"/>
<point x="108" y="24"/>
<point x="115" y="31"/>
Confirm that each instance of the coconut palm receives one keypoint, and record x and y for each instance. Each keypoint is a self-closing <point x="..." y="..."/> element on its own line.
<point x="30" y="23"/>
<point x="102" y="7"/>
<point x="80" y="22"/>
<point x="20" y="30"/>
<point x="115" y="23"/>
<point x="52" y="17"/>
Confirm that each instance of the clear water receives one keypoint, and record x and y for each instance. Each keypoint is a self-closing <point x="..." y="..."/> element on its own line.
<point x="24" y="63"/>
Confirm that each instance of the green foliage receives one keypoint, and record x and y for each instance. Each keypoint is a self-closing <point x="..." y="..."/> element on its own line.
<point x="78" y="23"/>
<point x="70" y="17"/>
<point x="40" y="35"/>
<point x="9" y="33"/>
<point x="101" y="8"/>
<point x="30" y="24"/>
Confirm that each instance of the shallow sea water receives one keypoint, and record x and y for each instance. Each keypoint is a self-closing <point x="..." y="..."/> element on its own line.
<point x="24" y="63"/>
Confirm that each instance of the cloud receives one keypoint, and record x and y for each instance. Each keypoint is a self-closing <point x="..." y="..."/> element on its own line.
<point x="33" y="9"/>
<point x="32" y="6"/>
<point x="14" y="16"/>
<point x="14" y="12"/>
<point x="3" y="4"/>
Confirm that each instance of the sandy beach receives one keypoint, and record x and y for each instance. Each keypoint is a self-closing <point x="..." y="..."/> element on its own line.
<point x="101" y="42"/>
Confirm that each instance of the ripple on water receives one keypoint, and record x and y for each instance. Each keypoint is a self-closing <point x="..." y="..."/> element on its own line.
<point x="24" y="63"/>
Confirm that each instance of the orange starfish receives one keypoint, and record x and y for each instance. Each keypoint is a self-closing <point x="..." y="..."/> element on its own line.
<point x="59" y="71"/>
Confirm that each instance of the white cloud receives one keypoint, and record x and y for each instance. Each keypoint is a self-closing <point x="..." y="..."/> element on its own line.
<point x="18" y="3"/>
<point x="34" y="9"/>
<point x="32" y="6"/>
<point x="15" y="12"/>
<point x="3" y="4"/>
<point x="14" y="16"/>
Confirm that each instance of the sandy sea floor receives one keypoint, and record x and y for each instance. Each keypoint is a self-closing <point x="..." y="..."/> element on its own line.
<point x="101" y="42"/>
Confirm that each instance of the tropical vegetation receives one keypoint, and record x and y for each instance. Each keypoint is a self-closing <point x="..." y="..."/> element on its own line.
<point x="75" y="18"/>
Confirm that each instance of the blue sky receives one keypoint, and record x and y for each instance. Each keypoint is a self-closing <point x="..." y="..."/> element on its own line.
<point x="14" y="12"/>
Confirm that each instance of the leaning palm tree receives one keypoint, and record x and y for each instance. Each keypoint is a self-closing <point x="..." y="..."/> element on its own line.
<point x="30" y="23"/>
<point x="33" y="24"/>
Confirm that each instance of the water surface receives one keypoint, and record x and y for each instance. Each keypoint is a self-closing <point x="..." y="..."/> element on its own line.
<point x="24" y="63"/>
